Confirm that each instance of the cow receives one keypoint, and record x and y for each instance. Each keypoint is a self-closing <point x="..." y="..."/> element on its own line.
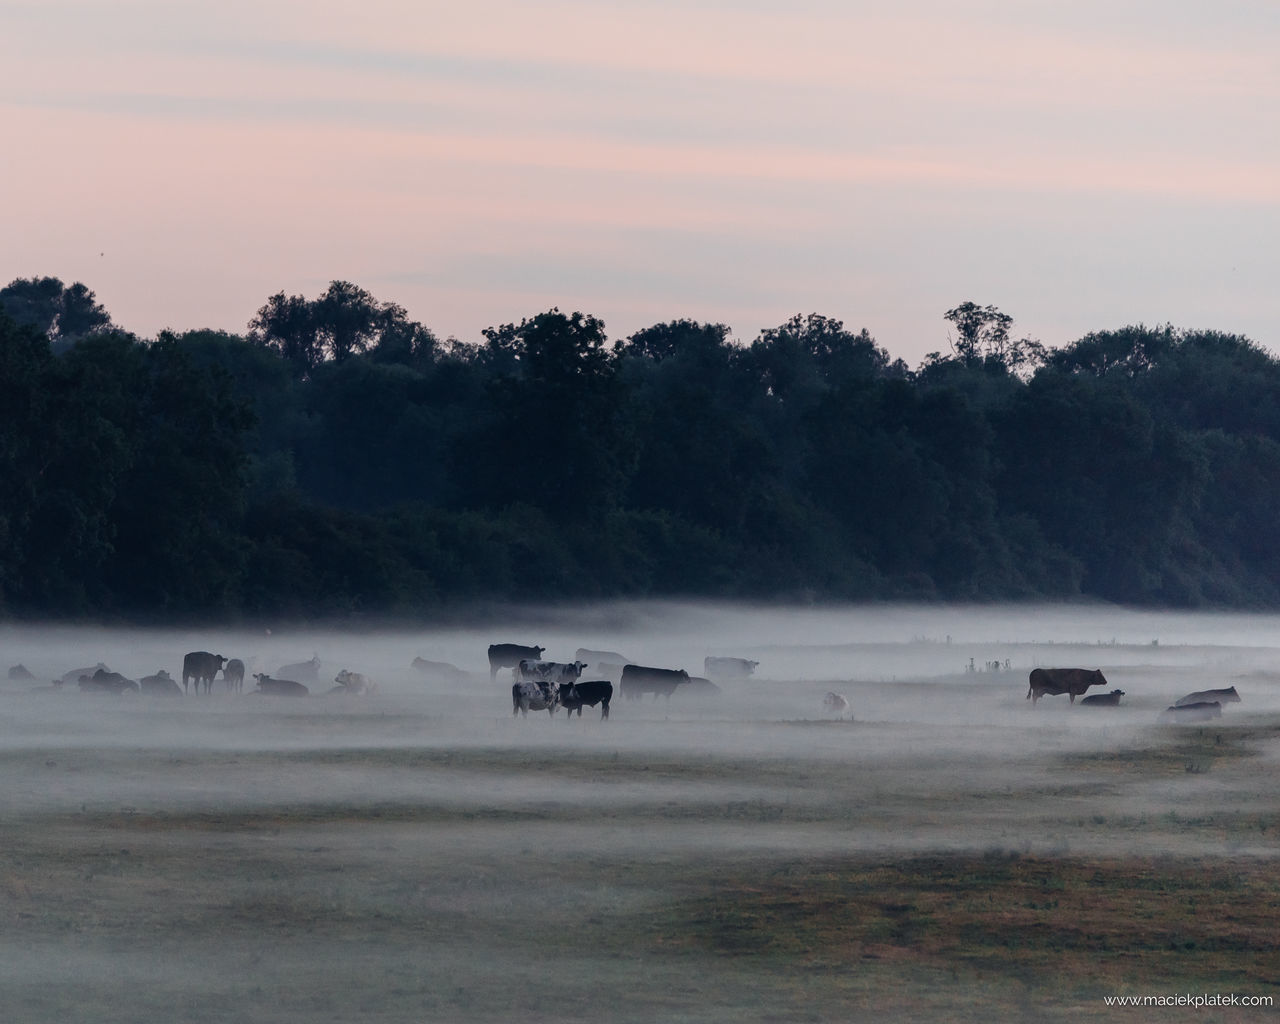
<point x="160" y="684"/>
<point x="835" y="704"/>
<point x="701" y="686"/>
<point x="1227" y="696"/>
<point x="591" y="692"/>
<point x="301" y="672"/>
<point x="441" y="671"/>
<point x="354" y="683"/>
<point x="641" y="679"/>
<point x="595" y="657"/>
<point x="510" y="656"/>
<point x="1071" y="681"/>
<point x="728" y="668"/>
<point x="103" y="681"/>
<point x="202" y="667"/>
<point x="269" y="687"/>
<point x="1201" y="711"/>
<point x="75" y="674"/>
<point x="233" y="675"/>
<point x="533" y="696"/>
<point x="20" y="671"/>
<point x="1111" y="699"/>
<point x="553" y="672"/>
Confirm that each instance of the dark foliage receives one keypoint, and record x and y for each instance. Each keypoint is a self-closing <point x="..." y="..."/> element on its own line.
<point x="339" y="460"/>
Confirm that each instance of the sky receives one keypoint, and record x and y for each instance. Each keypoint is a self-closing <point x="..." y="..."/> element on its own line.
<point x="1081" y="166"/>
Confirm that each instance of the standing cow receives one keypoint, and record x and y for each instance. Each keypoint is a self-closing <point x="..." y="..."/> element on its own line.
<point x="592" y="692"/>
<point x="233" y="675"/>
<point x="1071" y="681"/>
<point x="638" y="680"/>
<point x="510" y="656"/>
<point x="202" y="667"/>
<point x="533" y="696"/>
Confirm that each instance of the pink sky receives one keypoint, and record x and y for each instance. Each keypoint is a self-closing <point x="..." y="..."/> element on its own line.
<point x="1081" y="168"/>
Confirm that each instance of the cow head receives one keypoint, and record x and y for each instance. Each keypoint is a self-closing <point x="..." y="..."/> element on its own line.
<point x="538" y="649"/>
<point x="342" y="678"/>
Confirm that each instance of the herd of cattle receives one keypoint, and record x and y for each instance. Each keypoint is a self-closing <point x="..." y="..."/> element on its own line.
<point x="1200" y="706"/>
<point x="550" y="685"/>
<point x="200" y="669"/>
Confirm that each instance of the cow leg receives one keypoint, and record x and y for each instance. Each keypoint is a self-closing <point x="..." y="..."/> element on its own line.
<point x="604" y="709"/>
<point x="1072" y="697"/>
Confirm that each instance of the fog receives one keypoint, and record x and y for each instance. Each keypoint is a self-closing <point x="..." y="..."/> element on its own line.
<point x="441" y="806"/>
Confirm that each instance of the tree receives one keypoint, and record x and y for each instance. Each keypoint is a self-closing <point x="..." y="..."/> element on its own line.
<point x="60" y="313"/>
<point x="286" y="324"/>
<point x="982" y="335"/>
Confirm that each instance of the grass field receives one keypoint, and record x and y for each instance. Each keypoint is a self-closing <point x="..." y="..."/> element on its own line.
<point x="947" y="854"/>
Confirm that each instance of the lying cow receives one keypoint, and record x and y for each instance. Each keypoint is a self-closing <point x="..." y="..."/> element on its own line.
<point x="160" y="684"/>
<point x="103" y="681"/>
<point x="1227" y="696"/>
<point x="1071" y="681"/>
<point x="533" y="696"/>
<point x="75" y="674"/>
<point x="1202" y="711"/>
<point x="441" y="671"/>
<point x="302" y="671"/>
<point x="269" y="687"/>
<point x="701" y="686"/>
<point x="510" y="656"/>
<point x="595" y="657"/>
<point x="592" y="692"/>
<point x="21" y="671"/>
<point x="728" y="668"/>
<point x="638" y="680"/>
<point x="553" y="672"/>
<point x="835" y="704"/>
<point x="353" y="683"/>
<point x="233" y="675"/>
<point x="1111" y="699"/>
<point x="202" y="667"/>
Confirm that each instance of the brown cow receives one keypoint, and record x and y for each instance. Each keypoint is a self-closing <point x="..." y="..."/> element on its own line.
<point x="1071" y="681"/>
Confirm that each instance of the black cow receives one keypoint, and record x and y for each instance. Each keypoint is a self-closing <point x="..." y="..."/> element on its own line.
<point x="1227" y="696"/>
<point x="591" y="692"/>
<point x="233" y="675"/>
<point x="202" y="667"/>
<point x="103" y="681"/>
<point x="1071" y="681"/>
<point x="1111" y="699"/>
<point x="160" y="684"/>
<point x="1201" y="711"/>
<point x="509" y="656"/>
<point x="533" y="696"/>
<point x="641" y="679"/>
<point x="269" y="687"/>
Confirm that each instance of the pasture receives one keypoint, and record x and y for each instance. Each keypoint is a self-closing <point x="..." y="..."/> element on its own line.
<point x="942" y="851"/>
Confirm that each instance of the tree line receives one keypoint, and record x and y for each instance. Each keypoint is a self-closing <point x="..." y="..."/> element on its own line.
<point x="338" y="459"/>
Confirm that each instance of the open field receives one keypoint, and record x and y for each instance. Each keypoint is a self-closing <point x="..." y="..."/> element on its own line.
<point x="943" y="852"/>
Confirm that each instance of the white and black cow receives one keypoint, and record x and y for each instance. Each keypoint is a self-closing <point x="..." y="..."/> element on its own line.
<point x="590" y="692"/>
<point x="533" y="696"/>
<point x="553" y="672"/>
